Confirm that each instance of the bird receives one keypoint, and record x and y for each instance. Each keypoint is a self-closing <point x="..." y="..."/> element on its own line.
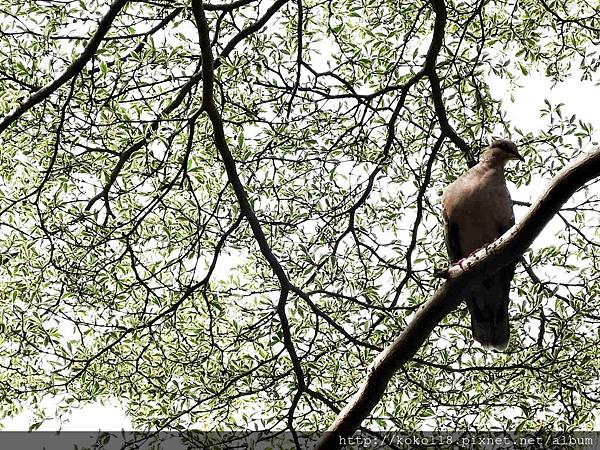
<point x="477" y="209"/>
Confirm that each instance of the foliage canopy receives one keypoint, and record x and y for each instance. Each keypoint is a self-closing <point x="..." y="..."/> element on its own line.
<point x="130" y="271"/>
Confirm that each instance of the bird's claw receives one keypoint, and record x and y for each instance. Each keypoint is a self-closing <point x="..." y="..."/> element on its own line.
<point x="460" y="262"/>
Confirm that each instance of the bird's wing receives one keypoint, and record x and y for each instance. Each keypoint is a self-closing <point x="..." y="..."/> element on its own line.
<point x="452" y="236"/>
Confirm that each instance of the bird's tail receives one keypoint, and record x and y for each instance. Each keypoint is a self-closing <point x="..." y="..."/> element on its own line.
<point x="489" y="317"/>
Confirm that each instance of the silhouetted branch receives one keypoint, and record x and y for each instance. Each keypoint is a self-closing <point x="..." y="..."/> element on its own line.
<point x="74" y="68"/>
<point x="437" y="40"/>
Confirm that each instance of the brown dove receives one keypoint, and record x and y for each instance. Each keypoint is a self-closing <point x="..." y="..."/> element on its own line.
<point x="477" y="209"/>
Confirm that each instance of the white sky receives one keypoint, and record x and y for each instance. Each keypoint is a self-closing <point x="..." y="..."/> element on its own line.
<point x="93" y="417"/>
<point x="580" y="97"/>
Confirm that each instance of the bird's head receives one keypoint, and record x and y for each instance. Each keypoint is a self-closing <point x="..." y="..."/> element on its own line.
<point x="502" y="150"/>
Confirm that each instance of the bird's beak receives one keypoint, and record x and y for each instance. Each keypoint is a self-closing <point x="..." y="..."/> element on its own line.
<point x="518" y="156"/>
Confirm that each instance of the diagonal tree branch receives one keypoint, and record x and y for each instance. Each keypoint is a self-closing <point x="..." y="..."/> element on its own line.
<point x="226" y="6"/>
<point x="74" y="68"/>
<point x="143" y="141"/>
<point x="502" y="252"/>
<point x="145" y="37"/>
<point x="261" y="22"/>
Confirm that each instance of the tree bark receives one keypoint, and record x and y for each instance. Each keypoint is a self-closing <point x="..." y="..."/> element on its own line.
<point x="506" y="250"/>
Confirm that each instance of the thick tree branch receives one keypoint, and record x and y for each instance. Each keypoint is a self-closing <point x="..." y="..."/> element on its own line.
<point x="502" y="252"/>
<point x="437" y="40"/>
<point x="226" y="6"/>
<point x="74" y="68"/>
<point x="208" y="105"/>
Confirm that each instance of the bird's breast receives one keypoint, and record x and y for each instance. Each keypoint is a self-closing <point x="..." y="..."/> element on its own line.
<point x="480" y="206"/>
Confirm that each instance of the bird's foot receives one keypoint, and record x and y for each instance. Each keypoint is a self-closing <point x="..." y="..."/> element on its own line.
<point x="460" y="262"/>
<point x="484" y="247"/>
